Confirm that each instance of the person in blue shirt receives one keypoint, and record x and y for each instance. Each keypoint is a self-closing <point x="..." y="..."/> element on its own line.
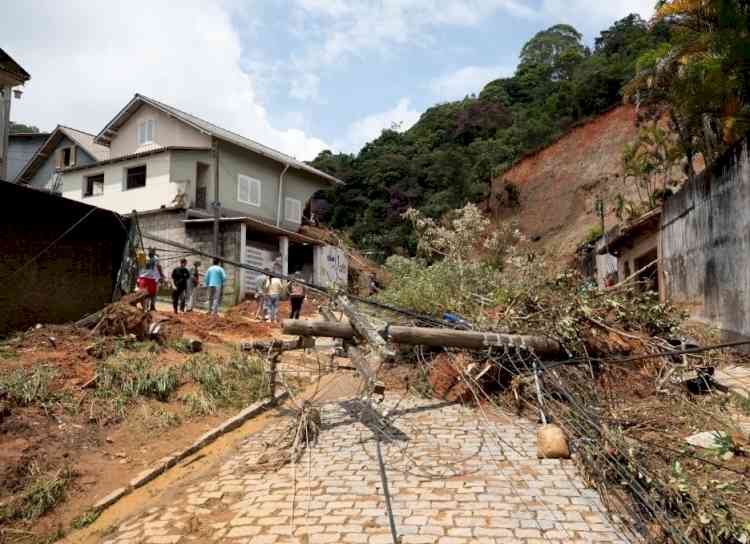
<point x="214" y="279"/>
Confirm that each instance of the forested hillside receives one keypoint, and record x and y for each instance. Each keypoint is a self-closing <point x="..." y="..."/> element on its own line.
<point x="451" y="155"/>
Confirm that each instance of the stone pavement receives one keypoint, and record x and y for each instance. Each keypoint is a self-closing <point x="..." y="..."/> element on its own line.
<point x="456" y="475"/>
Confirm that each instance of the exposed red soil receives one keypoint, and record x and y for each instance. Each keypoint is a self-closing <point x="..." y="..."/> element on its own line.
<point x="560" y="183"/>
<point x="104" y="453"/>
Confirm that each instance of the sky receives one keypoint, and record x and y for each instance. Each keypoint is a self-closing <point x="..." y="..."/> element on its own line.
<point x="297" y="75"/>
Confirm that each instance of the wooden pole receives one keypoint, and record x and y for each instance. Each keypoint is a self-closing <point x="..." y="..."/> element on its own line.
<point x="303" y="342"/>
<point x="364" y="328"/>
<point x="541" y="345"/>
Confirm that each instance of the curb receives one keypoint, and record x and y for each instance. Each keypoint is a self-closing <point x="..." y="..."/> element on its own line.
<point x="165" y="463"/>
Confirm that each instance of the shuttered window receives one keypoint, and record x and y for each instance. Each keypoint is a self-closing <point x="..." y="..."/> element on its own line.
<point x="292" y="210"/>
<point x="248" y="190"/>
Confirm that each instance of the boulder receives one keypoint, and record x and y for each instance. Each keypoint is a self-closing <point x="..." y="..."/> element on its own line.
<point x="551" y="443"/>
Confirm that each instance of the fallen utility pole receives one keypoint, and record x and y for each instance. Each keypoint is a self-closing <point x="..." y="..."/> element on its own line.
<point x="540" y="345"/>
<point x="303" y="342"/>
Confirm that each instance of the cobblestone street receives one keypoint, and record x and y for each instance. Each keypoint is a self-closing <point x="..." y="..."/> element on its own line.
<point x="456" y="475"/>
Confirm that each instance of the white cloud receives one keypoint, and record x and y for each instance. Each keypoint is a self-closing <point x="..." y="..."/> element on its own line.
<point x="88" y="59"/>
<point x="593" y="15"/>
<point x="338" y="31"/>
<point x="401" y="117"/>
<point x="467" y="80"/>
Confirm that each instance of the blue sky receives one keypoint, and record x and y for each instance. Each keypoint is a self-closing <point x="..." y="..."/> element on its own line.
<point x="299" y="75"/>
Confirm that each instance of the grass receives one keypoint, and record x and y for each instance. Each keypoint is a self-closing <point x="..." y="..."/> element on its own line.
<point x="85" y="519"/>
<point x="24" y="387"/>
<point x="40" y="496"/>
<point x="135" y="377"/>
<point x="234" y="381"/>
<point x="158" y="419"/>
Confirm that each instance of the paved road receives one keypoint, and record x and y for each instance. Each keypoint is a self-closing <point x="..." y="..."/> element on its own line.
<point x="456" y="475"/>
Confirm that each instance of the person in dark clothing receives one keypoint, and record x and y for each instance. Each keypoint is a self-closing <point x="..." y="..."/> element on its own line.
<point x="297" y="294"/>
<point x="180" y="278"/>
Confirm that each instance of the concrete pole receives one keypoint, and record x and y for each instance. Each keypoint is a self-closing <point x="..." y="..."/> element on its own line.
<point x="284" y="253"/>
<point x="216" y="203"/>
<point x="5" y="97"/>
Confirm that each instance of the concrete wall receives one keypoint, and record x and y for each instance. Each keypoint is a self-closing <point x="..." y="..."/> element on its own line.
<point x="168" y="224"/>
<point x="169" y="132"/>
<point x="68" y="279"/>
<point x="159" y="190"/>
<point x="20" y="150"/>
<point x="705" y="243"/>
<point x="44" y="176"/>
<point x="183" y="168"/>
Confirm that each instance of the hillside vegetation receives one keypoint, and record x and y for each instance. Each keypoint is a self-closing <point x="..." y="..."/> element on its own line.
<point x="688" y="69"/>
<point x="451" y="155"/>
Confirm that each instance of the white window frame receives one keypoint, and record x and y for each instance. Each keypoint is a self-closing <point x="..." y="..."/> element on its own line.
<point x="143" y="130"/>
<point x="86" y="181"/>
<point x="287" y="208"/>
<point x="241" y="178"/>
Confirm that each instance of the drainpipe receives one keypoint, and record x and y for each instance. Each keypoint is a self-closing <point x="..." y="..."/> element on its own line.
<point x="281" y="192"/>
<point x="216" y="204"/>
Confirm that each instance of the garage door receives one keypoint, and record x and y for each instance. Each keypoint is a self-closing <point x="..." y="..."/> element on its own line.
<point x="258" y="258"/>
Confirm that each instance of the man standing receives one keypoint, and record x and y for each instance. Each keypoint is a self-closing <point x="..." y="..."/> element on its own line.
<point x="180" y="279"/>
<point x="192" y="285"/>
<point x="149" y="279"/>
<point x="260" y="295"/>
<point x="214" y="280"/>
<point x="297" y="294"/>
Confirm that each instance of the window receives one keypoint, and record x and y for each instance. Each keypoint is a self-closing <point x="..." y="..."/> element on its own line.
<point x="93" y="185"/>
<point x="66" y="157"/>
<point x="248" y="190"/>
<point x="146" y="132"/>
<point x="135" y="177"/>
<point x="292" y="210"/>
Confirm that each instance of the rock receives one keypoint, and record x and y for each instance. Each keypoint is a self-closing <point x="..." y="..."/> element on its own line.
<point x="109" y="440"/>
<point x="551" y="443"/>
<point x="38" y="326"/>
<point x="707" y="439"/>
<point x="735" y="379"/>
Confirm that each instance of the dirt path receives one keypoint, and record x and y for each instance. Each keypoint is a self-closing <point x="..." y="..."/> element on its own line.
<point x="456" y="475"/>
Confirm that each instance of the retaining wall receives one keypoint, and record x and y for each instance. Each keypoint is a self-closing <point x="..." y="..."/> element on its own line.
<point x="705" y="236"/>
<point x="51" y="274"/>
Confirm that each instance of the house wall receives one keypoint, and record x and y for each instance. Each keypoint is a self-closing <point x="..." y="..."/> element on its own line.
<point x="641" y="245"/>
<point x="56" y="282"/>
<point x="44" y="176"/>
<point x="20" y="151"/>
<point x="183" y="169"/>
<point x="705" y="243"/>
<point x="236" y="160"/>
<point x="169" y="132"/>
<point x="169" y="224"/>
<point x="159" y="190"/>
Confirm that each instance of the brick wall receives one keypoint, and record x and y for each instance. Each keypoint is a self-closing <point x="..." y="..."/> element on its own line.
<point x="200" y="236"/>
<point x="49" y="281"/>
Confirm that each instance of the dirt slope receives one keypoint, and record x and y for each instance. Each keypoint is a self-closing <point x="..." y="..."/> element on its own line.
<point x="559" y="184"/>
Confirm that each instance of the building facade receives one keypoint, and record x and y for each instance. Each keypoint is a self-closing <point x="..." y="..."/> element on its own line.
<point x="173" y="170"/>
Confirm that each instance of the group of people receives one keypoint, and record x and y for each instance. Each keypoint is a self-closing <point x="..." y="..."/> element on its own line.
<point x="185" y="281"/>
<point x="269" y="290"/>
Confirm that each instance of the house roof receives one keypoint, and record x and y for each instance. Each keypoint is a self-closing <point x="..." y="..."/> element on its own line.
<point x="137" y="155"/>
<point x="12" y="70"/>
<point x="105" y="136"/>
<point x="82" y="139"/>
<point x="28" y="135"/>
<point x="622" y="236"/>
